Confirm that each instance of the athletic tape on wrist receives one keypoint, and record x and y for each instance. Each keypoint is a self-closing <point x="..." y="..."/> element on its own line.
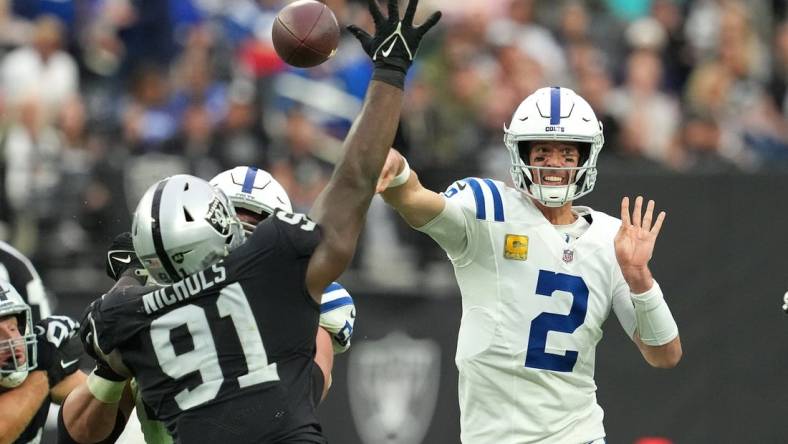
<point x="392" y="76"/>
<point x="105" y="390"/>
<point x="655" y="323"/>
<point x="402" y="177"/>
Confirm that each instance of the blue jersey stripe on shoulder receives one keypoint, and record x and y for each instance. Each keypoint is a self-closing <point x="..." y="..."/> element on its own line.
<point x="336" y="303"/>
<point x="555" y="105"/>
<point x="333" y="286"/>
<point x="497" y="201"/>
<point x="478" y="195"/>
<point x="251" y="173"/>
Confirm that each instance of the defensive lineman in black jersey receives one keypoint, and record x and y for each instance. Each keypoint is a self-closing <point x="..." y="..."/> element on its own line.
<point x="187" y="326"/>
<point x="257" y="389"/>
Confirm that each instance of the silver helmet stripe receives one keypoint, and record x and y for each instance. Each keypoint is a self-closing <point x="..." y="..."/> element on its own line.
<point x="158" y="243"/>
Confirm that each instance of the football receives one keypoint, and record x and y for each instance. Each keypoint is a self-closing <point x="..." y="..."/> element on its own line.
<point x="305" y="33"/>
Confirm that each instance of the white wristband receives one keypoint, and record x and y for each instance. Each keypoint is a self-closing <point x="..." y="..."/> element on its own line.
<point x="402" y="177"/>
<point x="105" y="390"/>
<point x="655" y="323"/>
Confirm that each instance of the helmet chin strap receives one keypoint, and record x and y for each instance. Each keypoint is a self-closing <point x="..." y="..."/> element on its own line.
<point x="553" y="196"/>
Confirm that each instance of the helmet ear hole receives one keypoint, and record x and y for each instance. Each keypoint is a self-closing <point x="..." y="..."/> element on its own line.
<point x="585" y="152"/>
<point x="186" y="213"/>
<point x="524" y="148"/>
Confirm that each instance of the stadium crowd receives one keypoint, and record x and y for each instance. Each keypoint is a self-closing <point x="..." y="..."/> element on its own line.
<point x="100" y="98"/>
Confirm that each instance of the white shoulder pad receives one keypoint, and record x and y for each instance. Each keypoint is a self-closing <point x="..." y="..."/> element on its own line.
<point x="338" y="316"/>
<point x="483" y="196"/>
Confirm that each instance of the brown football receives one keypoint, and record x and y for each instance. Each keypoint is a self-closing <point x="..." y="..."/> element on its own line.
<point x="305" y="33"/>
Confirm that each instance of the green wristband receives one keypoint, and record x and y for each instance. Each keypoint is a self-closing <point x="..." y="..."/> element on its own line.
<point x="105" y="390"/>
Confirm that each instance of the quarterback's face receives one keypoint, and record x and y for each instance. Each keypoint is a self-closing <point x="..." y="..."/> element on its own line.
<point x="553" y="154"/>
<point x="9" y="344"/>
<point x="250" y="217"/>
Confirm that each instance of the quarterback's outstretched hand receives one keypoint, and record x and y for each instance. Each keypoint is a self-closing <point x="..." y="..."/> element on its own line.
<point x="395" y="42"/>
<point x="393" y="166"/>
<point x="635" y="241"/>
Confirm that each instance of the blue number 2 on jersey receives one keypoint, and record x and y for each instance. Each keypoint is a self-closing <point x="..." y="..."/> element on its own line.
<point x="537" y="356"/>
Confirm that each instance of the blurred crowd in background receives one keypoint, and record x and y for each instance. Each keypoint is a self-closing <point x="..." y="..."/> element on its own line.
<point x="100" y="98"/>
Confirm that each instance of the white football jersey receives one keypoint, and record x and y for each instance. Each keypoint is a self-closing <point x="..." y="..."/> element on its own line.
<point x="533" y="302"/>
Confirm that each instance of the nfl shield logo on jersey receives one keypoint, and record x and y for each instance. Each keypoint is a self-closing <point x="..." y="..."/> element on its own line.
<point x="393" y="384"/>
<point x="569" y="255"/>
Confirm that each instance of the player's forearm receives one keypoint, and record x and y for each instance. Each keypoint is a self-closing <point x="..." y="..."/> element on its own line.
<point x="86" y="418"/>
<point x="341" y="207"/>
<point x="18" y="405"/>
<point x="639" y="279"/>
<point x="59" y="392"/>
<point x="662" y="356"/>
<point x="657" y="334"/>
<point x="416" y="204"/>
<point x="324" y="358"/>
<point x="369" y="139"/>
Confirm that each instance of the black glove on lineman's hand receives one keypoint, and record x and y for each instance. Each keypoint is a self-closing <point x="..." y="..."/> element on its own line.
<point x="86" y="329"/>
<point x="395" y="42"/>
<point x="59" y="349"/>
<point x="121" y="256"/>
<point x="87" y="335"/>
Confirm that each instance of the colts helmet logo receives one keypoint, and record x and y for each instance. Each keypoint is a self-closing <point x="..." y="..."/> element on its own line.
<point x="394" y="388"/>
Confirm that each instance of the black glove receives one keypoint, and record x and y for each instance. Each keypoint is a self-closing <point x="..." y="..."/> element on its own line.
<point x="395" y="42"/>
<point x="59" y="349"/>
<point x="121" y="256"/>
<point x="87" y="336"/>
<point x="86" y="331"/>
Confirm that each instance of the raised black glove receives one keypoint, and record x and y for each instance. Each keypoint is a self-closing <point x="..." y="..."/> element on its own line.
<point x="121" y="256"/>
<point x="59" y="349"/>
<point x="395" y="42"/>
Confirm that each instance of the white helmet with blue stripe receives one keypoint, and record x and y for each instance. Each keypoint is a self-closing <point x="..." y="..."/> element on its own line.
<point x="554" y="114"/>
<point x="253" y="189"/>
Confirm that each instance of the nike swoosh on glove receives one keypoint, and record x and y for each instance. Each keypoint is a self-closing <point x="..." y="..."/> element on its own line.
<point x="121" y="257"/>
<point x="58" y="347"/>
<point x="395" y="42"/>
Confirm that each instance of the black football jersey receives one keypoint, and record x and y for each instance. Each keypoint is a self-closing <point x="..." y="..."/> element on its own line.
<point x="226" y="353"/>
<point x="61" y="332"/>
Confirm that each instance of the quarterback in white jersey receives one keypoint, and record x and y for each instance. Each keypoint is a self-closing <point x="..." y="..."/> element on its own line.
<point x="538" y="277"/>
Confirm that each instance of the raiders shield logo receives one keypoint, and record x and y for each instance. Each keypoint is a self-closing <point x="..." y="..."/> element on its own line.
<point x="393" y="384"/>
<point x="218" y="217"/>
